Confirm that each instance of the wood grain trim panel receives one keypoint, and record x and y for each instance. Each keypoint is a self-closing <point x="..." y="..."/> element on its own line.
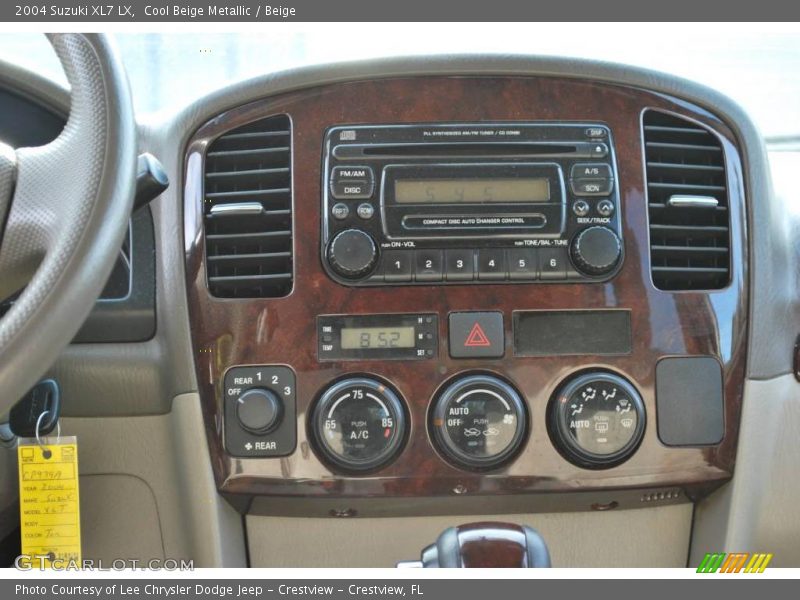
<point x="282" y="331"/>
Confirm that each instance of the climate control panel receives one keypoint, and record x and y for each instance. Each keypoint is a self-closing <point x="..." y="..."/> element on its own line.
<point x="476" y="421"/>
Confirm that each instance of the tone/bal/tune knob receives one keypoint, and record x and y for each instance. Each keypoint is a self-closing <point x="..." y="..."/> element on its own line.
<point x="596" y="251"/>
<point x="352" y="253"/>
<point x="259" y="410"/>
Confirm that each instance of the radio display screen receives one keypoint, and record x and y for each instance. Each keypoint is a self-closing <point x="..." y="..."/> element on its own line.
<point x="368" y="338"/>
<point x="471" y="191"/>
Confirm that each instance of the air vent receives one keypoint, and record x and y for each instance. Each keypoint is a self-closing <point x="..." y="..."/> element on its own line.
<point x="688" y="204"/>
<point x="248" y="211"/>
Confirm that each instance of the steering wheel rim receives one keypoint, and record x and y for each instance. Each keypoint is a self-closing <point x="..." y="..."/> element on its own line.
<point x="68" y="215"/>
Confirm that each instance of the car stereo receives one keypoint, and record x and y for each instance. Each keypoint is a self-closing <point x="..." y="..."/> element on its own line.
<point x="470" y="203"/>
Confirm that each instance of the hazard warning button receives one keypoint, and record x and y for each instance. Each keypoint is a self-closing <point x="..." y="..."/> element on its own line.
<point x="476" y="335"/>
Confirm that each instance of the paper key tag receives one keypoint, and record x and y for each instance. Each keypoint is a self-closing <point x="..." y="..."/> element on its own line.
<point x="49" y="502"/>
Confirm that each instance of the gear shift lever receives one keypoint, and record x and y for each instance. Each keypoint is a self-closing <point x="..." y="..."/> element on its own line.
<point x="486" y="545"/>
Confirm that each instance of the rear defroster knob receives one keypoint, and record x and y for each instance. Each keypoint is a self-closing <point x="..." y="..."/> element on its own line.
<point x="259" y="410"/>
<point x="596" y="251"/>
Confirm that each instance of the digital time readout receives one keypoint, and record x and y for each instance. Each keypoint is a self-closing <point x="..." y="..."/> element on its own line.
<point x="471" y="191"/>
<point x="375" y="338"/>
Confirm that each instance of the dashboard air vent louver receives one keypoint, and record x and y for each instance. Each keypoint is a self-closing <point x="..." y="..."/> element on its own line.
<point x="248" y="211"/>
<point x="688" y="204"/>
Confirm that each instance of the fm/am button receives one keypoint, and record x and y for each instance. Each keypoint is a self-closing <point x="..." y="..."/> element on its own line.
<point x="352" y="183"/>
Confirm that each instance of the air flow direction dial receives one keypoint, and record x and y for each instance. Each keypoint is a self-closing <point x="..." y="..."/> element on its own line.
<point x="597" y="420"/>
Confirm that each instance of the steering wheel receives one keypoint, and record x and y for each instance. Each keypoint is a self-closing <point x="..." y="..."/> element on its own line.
<point x="64" y="209"/>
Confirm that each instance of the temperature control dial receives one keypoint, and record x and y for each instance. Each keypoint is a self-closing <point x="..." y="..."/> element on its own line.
<point x="359" y="424"/>
<point x="479" y="422"/>
<point x="597" y="420"/>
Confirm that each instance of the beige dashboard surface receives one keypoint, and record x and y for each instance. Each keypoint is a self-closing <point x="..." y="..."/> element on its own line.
<point x="648" y="537"/>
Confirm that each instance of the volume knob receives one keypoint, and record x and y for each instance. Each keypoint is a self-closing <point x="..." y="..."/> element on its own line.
<point x="596" y="251"/>
<point x="352" y="253"/>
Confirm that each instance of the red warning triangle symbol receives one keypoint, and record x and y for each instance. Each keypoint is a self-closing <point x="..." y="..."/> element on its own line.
<point x="477" y="338"/>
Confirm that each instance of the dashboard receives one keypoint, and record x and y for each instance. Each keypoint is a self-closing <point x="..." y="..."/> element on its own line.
<point x="433" y="294"/>
<point x="367" y="293"/>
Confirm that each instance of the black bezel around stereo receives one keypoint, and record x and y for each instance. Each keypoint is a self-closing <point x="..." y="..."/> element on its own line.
<point x="476" y="232"/>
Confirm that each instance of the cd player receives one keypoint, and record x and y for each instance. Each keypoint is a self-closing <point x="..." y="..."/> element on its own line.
<point x="470" y="203"/>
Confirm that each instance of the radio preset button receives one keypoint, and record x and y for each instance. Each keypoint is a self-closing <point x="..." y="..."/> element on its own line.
<point x="553" y="263"/>
<point x="428" y="265"/>
<point x="365" y="210"/>
<point x="460" y="265"/>
<point x="581" y="208"/>
<point x="591" y="187"/>
<point x="340" y="211"/>
<point x="605" y="208"/>
<point x="591" y="171"/>
<point x="522" y="264"/>
<point x="397" y="266"/>
<point x="491" y="264"/>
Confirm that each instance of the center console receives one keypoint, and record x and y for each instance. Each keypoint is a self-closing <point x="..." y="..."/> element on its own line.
<point x="461" y="300"/>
